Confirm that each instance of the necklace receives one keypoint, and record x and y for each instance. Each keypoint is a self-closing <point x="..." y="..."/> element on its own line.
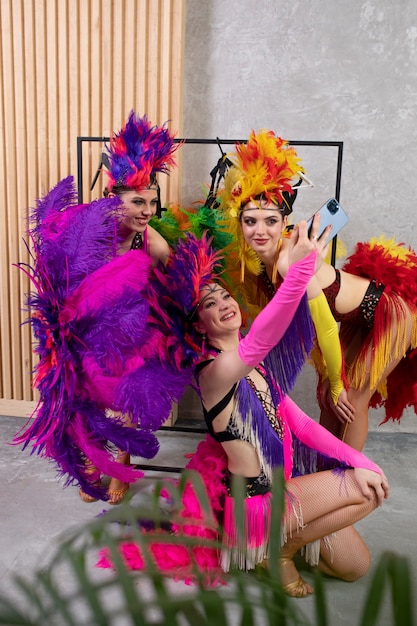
<point x="137" y="242"/>
<point x="271" y="412"/>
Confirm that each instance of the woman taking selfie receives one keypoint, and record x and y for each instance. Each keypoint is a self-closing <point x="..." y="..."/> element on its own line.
<point x="252" y="427"/>
<point x="373" y="296"/>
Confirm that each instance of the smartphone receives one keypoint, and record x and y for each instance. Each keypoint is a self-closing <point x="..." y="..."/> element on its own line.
<point x="330" y="213"/>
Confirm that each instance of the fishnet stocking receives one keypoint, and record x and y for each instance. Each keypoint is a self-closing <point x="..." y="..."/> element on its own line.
<point x="345" y="555"/>
<point x="328" y="503"/>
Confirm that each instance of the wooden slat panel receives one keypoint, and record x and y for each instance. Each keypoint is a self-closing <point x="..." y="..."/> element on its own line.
<point x="117" y="72"/>
<point x="41" y="97"/>
<point x="71" y="68"/>
<point x="95" y="95"/>
<point x="152" y="61"/>
<point x="128" y="60"/>
<point x="31" y="173"/>
<point x="141" y="97"/>
<point x="12" y="376"/>
<point x="106" y="79"/>
<point x="5" y="360"/>
<point x="64" y="100"/>
<point x="52" y="63"/>
<point x="177" y="87"/>
<point x="74" y="88"/>
<point x="22" y="200"/>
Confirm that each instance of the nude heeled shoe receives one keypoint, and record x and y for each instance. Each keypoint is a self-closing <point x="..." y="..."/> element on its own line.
<point x="117" y="495"/>
<point x="298" y="588"/>
<point x="85" y="497"/>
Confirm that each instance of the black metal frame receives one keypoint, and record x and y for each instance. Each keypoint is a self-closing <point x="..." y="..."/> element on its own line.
<point x="217" y="141"/>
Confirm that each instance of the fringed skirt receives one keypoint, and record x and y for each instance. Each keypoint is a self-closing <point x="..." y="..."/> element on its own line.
<point x="247" y="544"/>
<point x="240" y="545"/>
<point x="391" y="333"/>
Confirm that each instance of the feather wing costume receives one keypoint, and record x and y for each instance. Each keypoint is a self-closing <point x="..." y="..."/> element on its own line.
<point x="88" y="316"/>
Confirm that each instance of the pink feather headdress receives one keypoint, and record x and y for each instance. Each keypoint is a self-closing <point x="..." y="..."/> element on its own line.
<point x="138" y="152"/>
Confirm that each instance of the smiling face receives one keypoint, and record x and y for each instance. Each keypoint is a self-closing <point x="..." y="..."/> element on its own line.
<point x="218" y="313"/>
<point x="262" y="227"/>
<point x="138" y="208"/>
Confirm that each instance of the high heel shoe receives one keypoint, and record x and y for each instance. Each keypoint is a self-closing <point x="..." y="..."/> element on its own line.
<point x="117" y="495"/>
<point x="298" y="588"/>
<point x="85" y="497"/>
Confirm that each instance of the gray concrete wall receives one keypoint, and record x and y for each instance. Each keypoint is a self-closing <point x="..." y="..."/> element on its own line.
<point x="324" y="70"/>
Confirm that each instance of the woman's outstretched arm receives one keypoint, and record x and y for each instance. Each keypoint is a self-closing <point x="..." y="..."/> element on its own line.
<point x="318" y="438"/>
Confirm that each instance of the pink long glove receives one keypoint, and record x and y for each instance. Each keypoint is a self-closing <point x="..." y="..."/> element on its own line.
<point x="271" y="323"/>
<point x="318" y="438"/>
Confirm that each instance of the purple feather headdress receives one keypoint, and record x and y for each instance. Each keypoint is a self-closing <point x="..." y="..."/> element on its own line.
<point x="138" y="152"/>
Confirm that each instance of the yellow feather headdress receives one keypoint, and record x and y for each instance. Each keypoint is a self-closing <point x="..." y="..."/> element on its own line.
<point x="265" y="166"/>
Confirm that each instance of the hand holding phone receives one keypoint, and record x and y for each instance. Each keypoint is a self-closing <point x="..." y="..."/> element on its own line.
<point x="331" y="213"/>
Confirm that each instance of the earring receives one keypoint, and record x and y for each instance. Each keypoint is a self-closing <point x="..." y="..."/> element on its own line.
<point x="203" y="343"/>
<point x="275" y="265"/>
<point x="243" y="261"/>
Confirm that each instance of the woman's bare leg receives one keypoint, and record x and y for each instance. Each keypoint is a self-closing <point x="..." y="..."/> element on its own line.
<point x="329" y="421"/>
<point x="356" y="433"/>
<point x="117" y="489"/>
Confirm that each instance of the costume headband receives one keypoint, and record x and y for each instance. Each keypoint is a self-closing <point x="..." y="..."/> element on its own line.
<point x="138" y="152"/>
<point x="211" y="289"/>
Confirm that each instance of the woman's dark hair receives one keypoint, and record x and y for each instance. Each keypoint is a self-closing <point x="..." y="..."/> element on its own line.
<point x="121" y="189"/>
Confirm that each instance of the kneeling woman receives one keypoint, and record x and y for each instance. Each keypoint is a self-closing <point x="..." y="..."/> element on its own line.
<point x="253" y="425"/>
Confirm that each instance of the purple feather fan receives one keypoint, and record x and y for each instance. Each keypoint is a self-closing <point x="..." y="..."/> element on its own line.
<point x="71" y="241"/>
<point x="89" y="318"/>
<point x="157" y="386"/>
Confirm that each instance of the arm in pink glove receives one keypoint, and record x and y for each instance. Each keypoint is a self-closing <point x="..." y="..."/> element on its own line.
<point x="271" y="323"/>
<point x="318" y="438"/>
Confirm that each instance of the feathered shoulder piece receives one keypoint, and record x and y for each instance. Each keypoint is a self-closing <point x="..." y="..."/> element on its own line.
<point x="176" y="221"/>
<point x="266" y="165"/>
<point x="172" y="224"/>
<point x="391" y="263"/>
<point x="138" y="152"/>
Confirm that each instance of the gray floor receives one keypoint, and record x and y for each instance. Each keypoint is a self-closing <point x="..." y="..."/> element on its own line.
<point x="36" y="511"/>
